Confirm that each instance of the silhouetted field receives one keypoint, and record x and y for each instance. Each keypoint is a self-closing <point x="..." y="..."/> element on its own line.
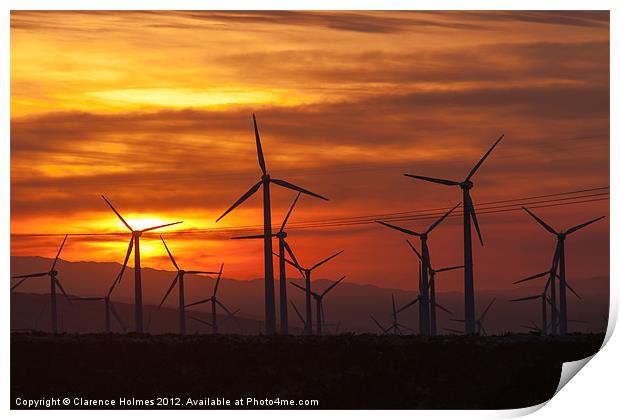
<point x="344" y="371"/>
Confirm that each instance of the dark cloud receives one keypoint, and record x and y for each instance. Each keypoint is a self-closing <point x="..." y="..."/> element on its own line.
<point x="597" y="19"/>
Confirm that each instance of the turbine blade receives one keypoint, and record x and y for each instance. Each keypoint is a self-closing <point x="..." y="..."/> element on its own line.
<point x="221" y="305"/>
<point x="198" y="303"/>
<point x="413" y="302"/>
<point x="441" y="219"/>
<point x="249" y="237"/>
<point x="290" y="251"/>
<point x="230" y="316"/>
<point x="174" y="282"/>
<point x="472" y="212"/>
<point x="414" y="249"/>
<point x="25" y="276"/>
<point x="535" y="276"/>
<point x="443" y="309"/>
<point x="58" y="254"/>
<point x="541" y="222"/>
<point x="160" y="226"/>
<point x="244" y="197"/>
<point x="286" y="184"/>
<point x="217" y="282"/>
<point x="332" y="286"/>
<point x="456" y="267"/>
<point x="288" y="214"/>
<point x="379" y="325"/>
<point x="573" y="290"/>
<point x="259" y="148"/>
<point x="576" y="228"/>
<point x="117" y="213"/>
<point x="325" y="260"/>
<point x="124" y="266"/>
<point x="298" y="286"/>
<point x="435" y="180"/>
<point x="169" y="253"/>
<point x="19" y="282"/>
<point x="407" y="231"/>
<point x="62" y="289"/>
<point x="556" y="260"/>
<point x="200" y="320"/>
<point x="475" y="168"/>
<point x="117" y="316"/>
<point x="297" y="266"/>
<point x="486" y="310"/>
<point x="525" y="298"/>
<point x="301" y="318"/>
<point x="393" y="304"/>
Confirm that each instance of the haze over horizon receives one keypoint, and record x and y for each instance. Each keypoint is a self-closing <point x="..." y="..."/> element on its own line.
<point x="349" y="304"/>
<point x="153" y="109"/>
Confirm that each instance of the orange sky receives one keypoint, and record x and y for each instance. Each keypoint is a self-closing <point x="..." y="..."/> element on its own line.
<point x="153" y="109"/>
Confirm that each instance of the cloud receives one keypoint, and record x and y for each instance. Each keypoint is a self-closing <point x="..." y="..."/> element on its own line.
<point x="349" y="102"/>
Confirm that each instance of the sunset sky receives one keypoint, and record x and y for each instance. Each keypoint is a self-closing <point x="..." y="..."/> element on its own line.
<point x="153" y="110"/>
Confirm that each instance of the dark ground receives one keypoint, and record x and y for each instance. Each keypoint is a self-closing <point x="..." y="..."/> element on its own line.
<point x="342" y="372"/>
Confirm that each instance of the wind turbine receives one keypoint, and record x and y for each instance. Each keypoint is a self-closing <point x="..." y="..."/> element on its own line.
<point x="306" y="273"/>
<point x="532" y="328"/>
<point x="282" y="246"/>
<point x="543" y="300"/>
<point x="433" y="299"/>
<point x="52" y="273"/>
<point x="303" y="321"/>
<point x="265" y="181"/>
<point x="469" y="215"/>
<point x="479" y="326"/>
<point x="550" y="285"/>
<point x="299" y="315"/>
<point x="109" y="306"/>
<point x="396" y="326"/>
<point x="135" y="242"/>
<point x="214" y="303"/>
<point x="179" y="278"/>
<point x="561" y="237"/>
<point x="425" y="323"/>
<point x="319" y="303"/>
<point x="230" y="316"/>
<point x="417" y="300"/>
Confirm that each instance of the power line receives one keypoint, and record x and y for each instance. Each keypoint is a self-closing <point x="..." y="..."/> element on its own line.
<point x="483" y="208"/>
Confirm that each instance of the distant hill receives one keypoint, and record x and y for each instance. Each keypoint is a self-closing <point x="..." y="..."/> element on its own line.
<point x="348" y="305"/>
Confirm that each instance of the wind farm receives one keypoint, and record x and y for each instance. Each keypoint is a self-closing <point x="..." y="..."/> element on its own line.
<point x="284" y="207"/>
<point x="314" y="328"/>
<point x="179" y="281"/>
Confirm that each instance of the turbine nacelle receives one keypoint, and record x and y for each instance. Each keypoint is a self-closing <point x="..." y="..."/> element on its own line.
<point x="281" y="235"/>
<point x="466" y="185"/>
<point x="265" y="178"/>
<point x="53" y="273"/>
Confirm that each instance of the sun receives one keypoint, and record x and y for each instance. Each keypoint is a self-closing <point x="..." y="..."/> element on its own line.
<point x="139" y="223"/>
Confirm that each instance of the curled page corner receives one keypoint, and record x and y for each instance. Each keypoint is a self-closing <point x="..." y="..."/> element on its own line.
<point x="569" y="370"/>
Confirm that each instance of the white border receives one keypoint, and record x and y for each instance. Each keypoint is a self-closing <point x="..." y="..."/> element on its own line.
<point x="593" y="394"/>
